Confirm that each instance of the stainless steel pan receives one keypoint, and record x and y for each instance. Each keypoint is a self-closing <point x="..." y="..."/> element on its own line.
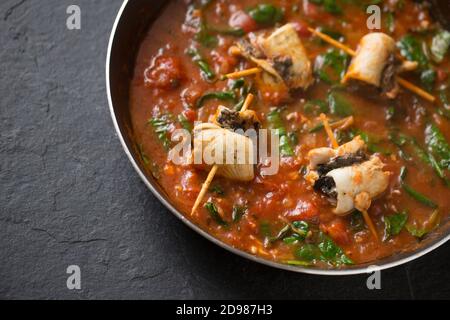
<point x="132" y="21"/>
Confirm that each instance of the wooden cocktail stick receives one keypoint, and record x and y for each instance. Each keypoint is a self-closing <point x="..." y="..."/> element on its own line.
<point x="404" y="83"/>
<point x="243" y="73"/>
<point x="326" y="125"/>
<point x="248" y="101"/>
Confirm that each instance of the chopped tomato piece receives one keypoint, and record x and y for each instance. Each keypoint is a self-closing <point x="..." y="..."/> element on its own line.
<point x="165" y="73"/>
<point x="442" y="75"/>
<point x="190" y="115"/>
<point x="305" y="210"/>
<point x="337" y="230"/>
<point x="240" y="19"/>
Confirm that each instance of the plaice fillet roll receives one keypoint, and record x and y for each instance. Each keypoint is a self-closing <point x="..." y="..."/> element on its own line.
<point x="347" y="176"/>
<point x="232" y="152"/>
<point x="288" y="55"/>
<point x="371" y="58"/>
<point x="367" y="177"/>
<point x="281" y="55"/>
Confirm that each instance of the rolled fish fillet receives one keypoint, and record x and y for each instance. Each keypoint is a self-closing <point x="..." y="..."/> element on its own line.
<point x="367" y="177"/>
<point x="281" y="55"/>
<point x="232" y="152"/>
<point x="288" y="56"/>
<point x="371" y="58"/>
<point x="323" y="155"/>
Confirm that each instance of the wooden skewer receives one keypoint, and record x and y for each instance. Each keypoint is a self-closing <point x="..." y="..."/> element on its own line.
<point x="365" y="214"/>
<point x="205" y="187"/>
<point x="243" y="73"/>
<point x="370" y="224"/>
<point x="333" y="42"/>
<point x="404" y="83"/>
<point x="422" y="93"/>
<point x="330" y="134"/>
<point x="248" y="101"/>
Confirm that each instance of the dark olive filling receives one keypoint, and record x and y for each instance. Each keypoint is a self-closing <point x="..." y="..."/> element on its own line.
<point x="325" y="184"/>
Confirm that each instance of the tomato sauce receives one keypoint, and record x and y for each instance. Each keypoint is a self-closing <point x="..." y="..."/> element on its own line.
<point x="167" y="81"/>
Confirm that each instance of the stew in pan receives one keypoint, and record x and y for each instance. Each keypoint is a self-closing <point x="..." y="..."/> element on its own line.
<point x="357" y="96"/>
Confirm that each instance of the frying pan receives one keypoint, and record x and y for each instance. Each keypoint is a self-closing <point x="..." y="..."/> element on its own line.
<point x="131" y="23"/>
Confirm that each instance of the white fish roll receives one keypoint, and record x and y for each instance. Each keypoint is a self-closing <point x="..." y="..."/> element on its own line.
<point x="367" y="177"/>
<point x="232" y="152"/>
<point x="371" y="58"/>
<point x="288" y="56"/>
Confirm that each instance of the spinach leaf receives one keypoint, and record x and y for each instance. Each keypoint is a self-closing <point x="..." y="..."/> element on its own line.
<point x="419" y="196"/>
<point x="274" y="119"/>
<point x="398" y="138"/>
<point x="390" y="22"/>
<point x="217" y="190"/>
<point x="331" y="6"/>
<point x="266" y="14"/>
<point x="205" y="38"/>
<point x="331" y="252"/>
<point x="280" y="235"/>
<point x="420" y="153"/>
<point x="264" y="229"/>
<point x="440" y="45"/>
<point x="339" y="105"/>
<point x="238" y="212"/>
<point x="315" y="107"/>
<point x="411" y="49"/>
<point x="414" y="193"/>
<point x="301" y="228"/>
<point x="428" y="78"/>
<point x="330" y="66"/>
<point x="325" y="250"/>
<point x="444" y="98"/>
<point x="293" y="138"/>
<point x="235" y="32"/>
<point x="185" y="123"/>
<point x="237" y="84"/>
<point x="161" y="126"/>
<point x="401" y="140"/>
<point x="219" y="95"/>
<point x="394" y="224"/>
<point x="432" y="223"/>
<point x="372" y="143"/>
<point x="205" y="69"/>
<point x="436" y="142"/>
<point x="214" y="213"/>
<point x="294" y="238"/>
<point x="390" y="113"/>
<point x="307" y="252"/>
<point x="416" y="232"/>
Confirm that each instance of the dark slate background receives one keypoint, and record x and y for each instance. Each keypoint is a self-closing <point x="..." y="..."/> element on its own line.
<point x="69" y="196"/>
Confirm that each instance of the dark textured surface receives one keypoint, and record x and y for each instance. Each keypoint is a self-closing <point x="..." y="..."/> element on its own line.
<point x="70" y="196"/>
